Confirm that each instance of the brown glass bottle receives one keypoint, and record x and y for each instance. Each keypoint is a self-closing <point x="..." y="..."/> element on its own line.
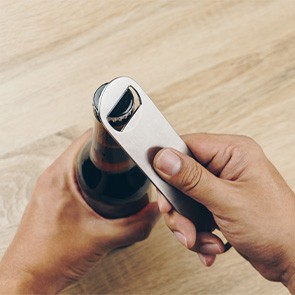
<point x="109" y="180"/>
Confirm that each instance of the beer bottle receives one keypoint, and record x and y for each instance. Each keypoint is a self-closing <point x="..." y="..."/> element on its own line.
<point x="110" y="182"/>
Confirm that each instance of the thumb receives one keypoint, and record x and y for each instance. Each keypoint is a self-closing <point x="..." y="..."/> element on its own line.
<point x="190" y="177"/>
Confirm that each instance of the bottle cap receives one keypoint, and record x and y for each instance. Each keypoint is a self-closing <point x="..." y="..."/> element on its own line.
<point x="122" y="111"/>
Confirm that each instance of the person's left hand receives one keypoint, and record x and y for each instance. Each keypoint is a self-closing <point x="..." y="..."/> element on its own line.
<point x="60" y="237"/>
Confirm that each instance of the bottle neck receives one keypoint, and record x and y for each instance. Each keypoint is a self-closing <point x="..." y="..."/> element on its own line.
<point x="106" y="154"/>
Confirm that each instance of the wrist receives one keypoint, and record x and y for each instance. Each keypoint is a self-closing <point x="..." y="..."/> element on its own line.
<point x="291" y="269"/>
<point x="291" y="285"/>
<point x="16" y="280"/>
<point x="288" y="279"/>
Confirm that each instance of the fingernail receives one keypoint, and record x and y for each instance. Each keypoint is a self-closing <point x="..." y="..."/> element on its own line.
<point x="181" y="238"/>
<point x="210" y="249"/>
<point x="203" y="259"/>
<point x="168" y="162"/>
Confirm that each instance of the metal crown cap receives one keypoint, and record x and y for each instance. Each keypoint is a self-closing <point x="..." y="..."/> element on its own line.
<point x="121" y="111"/>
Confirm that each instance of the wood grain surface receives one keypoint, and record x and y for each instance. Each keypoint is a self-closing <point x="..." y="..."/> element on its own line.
<point x="224" y="66"/>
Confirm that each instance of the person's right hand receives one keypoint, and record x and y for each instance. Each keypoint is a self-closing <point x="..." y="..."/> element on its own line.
<point x="251" y="203"/>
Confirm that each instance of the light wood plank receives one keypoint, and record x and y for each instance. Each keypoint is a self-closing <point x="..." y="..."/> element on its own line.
<point x="211" y="66"/>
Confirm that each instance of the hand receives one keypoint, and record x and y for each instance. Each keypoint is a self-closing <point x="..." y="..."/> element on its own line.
<point x="251" y="203"/>
<point x="60" y="237"/>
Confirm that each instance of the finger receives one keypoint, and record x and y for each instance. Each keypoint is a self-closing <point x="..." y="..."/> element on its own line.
<point x="206" y="146"/>
<point x="63" y="168"/>
<point x="129" y="230"/>
<point x="206" y="259"/>
<point x="72" y="151"/>
<point x="185" y="232"/>
<point x="186" y="174"/>
<point x="223" y="155"/>
<point x="164" y="205"/>
<point x="183" y="229"/>
<point x="208" y="243"/>
<point x="78" y="143"/>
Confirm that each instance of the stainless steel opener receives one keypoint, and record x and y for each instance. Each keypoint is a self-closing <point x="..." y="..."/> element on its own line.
<point x="146" y="133"/>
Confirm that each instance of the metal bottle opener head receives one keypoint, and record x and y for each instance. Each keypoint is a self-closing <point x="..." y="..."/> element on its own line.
<point x="142" y="137"/>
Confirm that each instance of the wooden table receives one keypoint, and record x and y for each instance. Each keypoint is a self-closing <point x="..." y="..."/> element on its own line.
<point x="222" y="66"/>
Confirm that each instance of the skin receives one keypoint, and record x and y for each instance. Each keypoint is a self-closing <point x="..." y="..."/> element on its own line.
<point x="60" y="237"/>
<point x="251" y="203"/>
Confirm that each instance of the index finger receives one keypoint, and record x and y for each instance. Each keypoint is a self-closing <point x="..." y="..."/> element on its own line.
<point x="206" y="146"/>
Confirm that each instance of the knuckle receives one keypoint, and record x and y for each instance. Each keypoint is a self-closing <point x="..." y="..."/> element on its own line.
<point x="50" y="174"/>
<point x="145" y="231"/>
<point x="245" y="147"/>
<point x="190" y="178"/>
<point x="170" y="220"/>
<point x="247" y="142"/>
<point x="236" y="149"/>
<point x="246" y="139"/>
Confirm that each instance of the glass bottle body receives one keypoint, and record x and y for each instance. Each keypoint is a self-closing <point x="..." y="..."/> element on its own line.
<point x="109" y="180"/>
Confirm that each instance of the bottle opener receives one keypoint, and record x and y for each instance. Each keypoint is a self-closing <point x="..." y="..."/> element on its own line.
<point x="142" y="137"/>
